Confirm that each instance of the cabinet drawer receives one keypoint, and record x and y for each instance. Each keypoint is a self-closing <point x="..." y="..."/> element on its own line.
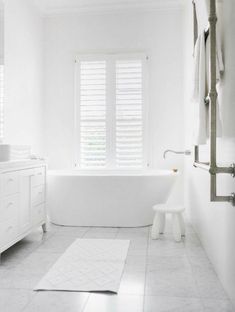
<point x="38" y="213"/>
<point x="38" y="195"/>
<point x="9" y="184"/>
<point x="8" y="231"/>
<point x="39" y="177"/>
<point x="9" y="207"/>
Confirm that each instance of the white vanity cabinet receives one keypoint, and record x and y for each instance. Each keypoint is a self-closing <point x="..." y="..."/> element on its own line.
<point x="22" y="202"/>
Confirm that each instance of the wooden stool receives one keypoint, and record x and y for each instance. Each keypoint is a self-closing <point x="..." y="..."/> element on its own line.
<point x="160" y="217"/>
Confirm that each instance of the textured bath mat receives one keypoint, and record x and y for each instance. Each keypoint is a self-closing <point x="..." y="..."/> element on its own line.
<point x="88" y="265"/>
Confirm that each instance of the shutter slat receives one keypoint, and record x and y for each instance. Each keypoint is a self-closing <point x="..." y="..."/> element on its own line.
<point x="129" y="114"/>
<point x="92" y="114"/>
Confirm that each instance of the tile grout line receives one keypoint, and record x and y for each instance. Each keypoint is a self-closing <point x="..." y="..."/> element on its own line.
<point x="193" y="274"/>
<point x="85" y="232"/>
<point x="118" y="230"/>
<point x="86" y="303"/>
<point x="146" y="268"/>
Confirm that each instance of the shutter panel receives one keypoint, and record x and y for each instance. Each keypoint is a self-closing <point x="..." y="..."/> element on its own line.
<point x="1" y="99"/>
<point x="129" y="114"/>
<point x="92" y="114"/>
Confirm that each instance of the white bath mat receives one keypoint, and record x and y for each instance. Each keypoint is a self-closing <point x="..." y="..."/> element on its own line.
<point x="88" y="265"/>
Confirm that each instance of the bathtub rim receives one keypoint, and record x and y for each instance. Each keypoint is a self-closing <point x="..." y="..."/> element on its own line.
<point x="110" y="173"/>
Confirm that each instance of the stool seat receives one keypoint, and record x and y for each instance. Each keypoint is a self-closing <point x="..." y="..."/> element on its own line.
<point x="177" y="220"/>
<point x="168" y="208"/>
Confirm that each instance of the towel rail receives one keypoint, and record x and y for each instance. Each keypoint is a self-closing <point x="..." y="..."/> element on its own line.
<point x="211" y="166"/>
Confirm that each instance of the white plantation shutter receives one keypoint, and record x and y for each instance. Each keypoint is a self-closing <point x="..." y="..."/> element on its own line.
<point x="1" y="99"/>
<point x="92" y="114"/>
<point x="129" y="113"/>
<point x="110" y="112"/>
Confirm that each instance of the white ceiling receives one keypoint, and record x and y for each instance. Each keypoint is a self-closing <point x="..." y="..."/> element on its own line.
<point x="70" y="6"/>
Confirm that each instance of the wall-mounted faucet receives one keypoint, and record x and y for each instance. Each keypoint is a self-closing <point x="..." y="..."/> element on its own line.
<point x="186" y="152"/>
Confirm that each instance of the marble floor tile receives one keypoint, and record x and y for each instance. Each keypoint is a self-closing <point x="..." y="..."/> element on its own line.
<point x="132" y="235"/>
<point x="135" y="264"/>
<point x="200" y="262"/>
<point x="20" y="279"/>
<point x="143" y="229"/>
<point x="169" y="264"/>
<point x="135" y="267"/>
<point x="208" y="284"/>
<point x="195" y="251"/>
<point x="12" y="257"/>
<point x="14" y="300"/>
<point x="171" y="283"/>
<point x="58" y="243"/>
<point x="166" y="248"/>
<point x="136" y="260"/>
<point x="94" y="229"/>
<point x="191" y="239"/>
<point x="74" y="230"/>
<point x="57" y="302"/>
<point x="100" y="235"/>
<point x="114" y="303"/>
<point x="137" y="251"/>
<point x="39" y="263"/>
<point x="132" y="283"/>
<point x="172" y="304"/>
<point x="138" y="247"/>
<point x="212" y="305"/>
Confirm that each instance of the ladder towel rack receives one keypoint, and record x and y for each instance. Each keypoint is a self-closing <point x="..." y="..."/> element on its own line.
<point x="212" y="166"/>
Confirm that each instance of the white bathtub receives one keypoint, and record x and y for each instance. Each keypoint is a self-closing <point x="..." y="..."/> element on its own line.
<point x="118" y="199"/>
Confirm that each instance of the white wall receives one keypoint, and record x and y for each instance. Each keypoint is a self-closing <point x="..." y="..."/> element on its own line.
<point x="23" y="74"/>
<point x="1" y="33"/>
<point x="214" y="222"/>
<point x="158" y="33"/>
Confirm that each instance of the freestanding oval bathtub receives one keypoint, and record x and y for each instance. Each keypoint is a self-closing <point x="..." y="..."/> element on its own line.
<point x="115" y="199"/>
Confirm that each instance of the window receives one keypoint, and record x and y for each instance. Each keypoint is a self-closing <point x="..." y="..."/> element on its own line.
<point x="1" y="100"/>
<point x="110" y="112"/>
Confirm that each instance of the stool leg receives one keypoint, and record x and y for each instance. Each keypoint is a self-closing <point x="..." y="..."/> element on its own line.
<point x="44" y="227"/>
<point x="176" y="227"/>
<point x="182" y="225"/>
<point x="156" y="226"/>
<point x="162" y="217"/>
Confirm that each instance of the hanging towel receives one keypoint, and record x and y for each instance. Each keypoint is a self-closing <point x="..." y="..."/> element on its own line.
<point x="202" y="67"/>
<point x="199" y="91"/>
<point x="201" y="88"/>
<point x="219" y="72"/>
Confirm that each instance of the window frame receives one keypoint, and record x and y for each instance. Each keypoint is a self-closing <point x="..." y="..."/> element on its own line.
<point x="111" y="122"/>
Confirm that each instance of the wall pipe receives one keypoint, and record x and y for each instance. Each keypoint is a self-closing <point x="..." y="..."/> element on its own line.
<point x="212" y="167"/>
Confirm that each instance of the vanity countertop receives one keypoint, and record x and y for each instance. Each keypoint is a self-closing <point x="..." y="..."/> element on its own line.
<point x="20" y="164"/>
